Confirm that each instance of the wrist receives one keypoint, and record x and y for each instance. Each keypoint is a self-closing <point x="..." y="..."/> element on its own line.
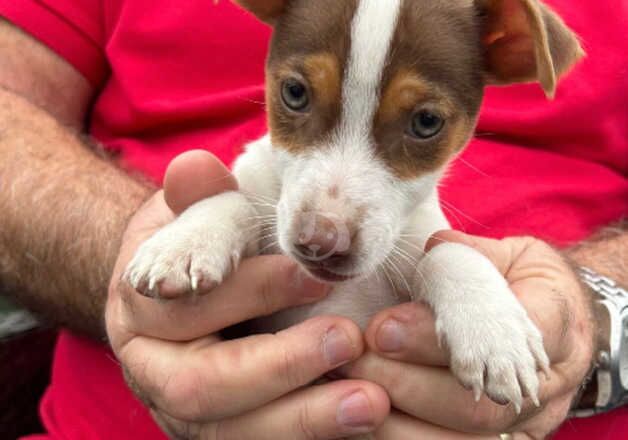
<point x="593" y="317"/>
<point x="608" y="387"/>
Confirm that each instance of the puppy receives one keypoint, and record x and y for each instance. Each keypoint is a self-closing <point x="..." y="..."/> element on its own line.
<point x="368" y="102"/>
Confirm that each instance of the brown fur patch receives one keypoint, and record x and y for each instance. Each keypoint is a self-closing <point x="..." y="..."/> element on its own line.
<point x="311" y="41"/>
<point x="409" y="157"/>
<point x="402" y="94"/>
<point x="435" y="64"/>
<point x="265" y="10"/>
<point x="324" y="75"/>
<point x="435" y="61"/>
<point x="298" y="131"/>
<point x="526" y="41"/>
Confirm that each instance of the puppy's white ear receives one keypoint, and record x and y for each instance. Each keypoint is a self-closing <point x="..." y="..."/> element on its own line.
<point x="265" y="10"/>
<point x="525" y="41"/>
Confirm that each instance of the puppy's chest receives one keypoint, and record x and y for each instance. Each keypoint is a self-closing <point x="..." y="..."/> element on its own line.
<point x="358" y="300"/>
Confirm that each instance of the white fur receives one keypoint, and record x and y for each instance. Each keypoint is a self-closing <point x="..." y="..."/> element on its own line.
<point x="372" y="31"/>
<point x="347" y="159"/>
<point x="493" y="344"/>
<point x="202" y="247"/>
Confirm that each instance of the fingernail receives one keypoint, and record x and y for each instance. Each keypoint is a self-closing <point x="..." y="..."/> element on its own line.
<point x="355" y="412"/>
<point x="337" y="347"/>
<point x="391" y="336"/>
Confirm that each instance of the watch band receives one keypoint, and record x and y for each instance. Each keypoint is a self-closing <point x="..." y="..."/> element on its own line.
<point x="603" y="285"/>
<point x="611" y="372"/>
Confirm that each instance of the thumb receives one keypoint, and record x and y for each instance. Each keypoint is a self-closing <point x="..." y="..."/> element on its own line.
<point x="499" y="252"/>
<point x="194" y="176"/>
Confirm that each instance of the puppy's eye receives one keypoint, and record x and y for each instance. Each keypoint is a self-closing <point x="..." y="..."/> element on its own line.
<point x="295" y="95"/>
<point x="426" y="124"/>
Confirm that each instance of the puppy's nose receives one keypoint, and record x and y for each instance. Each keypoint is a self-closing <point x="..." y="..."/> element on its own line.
<point x="323" y="238"/>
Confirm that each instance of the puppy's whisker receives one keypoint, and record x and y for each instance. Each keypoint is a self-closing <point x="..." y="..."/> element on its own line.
<point x="377" y="275"/>
<point x="268" y="246"/>
<point x="417" y="236"/>
<point x="417" y="270"/>
<point x="394" y="285"/>
<point x="462" y="213"/>
<point x="411" y="244"/>
<point x="421" y="251"/>
<point x="263" y="205"/>
<point x="455" y="217"/>
<point x="255" y="233"/>
<point x="260" y="225"/>
<point x="474" y="168"/>
<point x="405" y="255"/>
<point x="271" y="217"/>
<point x="259" y="197"/>
<point x="393" y="265"/>
<point x="387" y="275"/>
<point x="263" y="237"/>
<point x="423" y="280"/>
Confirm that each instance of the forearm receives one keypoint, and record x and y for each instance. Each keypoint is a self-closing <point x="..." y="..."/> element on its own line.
<point x="64" y="210"/>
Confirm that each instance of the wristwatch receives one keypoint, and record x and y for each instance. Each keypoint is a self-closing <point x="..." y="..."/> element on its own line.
<point x="608" y="387"/>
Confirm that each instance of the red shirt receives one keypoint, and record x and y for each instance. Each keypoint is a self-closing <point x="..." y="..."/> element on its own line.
<point x="179" y="75"/>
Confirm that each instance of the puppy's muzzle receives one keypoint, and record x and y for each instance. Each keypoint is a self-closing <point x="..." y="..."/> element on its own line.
<point x="323" y="241"/>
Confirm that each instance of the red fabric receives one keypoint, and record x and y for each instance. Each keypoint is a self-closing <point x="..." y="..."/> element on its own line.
<point x="73" y="31"/>
<point x="181" y="75"/>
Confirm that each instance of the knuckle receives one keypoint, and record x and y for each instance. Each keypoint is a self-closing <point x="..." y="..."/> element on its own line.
<point x="267" y="297"/>
<point x="287" y="366"/>
<point x="489" y="417"/>
<point x="395" y="384"/>
<point x="177" y="430"/>
<point x="214" y="431"/>
<point x="305" y="423"/>
<point x="183" y="397"/>
<point x="329" y="321"/>
<point x="138" y="391"/>
<point x="270" y="283"/>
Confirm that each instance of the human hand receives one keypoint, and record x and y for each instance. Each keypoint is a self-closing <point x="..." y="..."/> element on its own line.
<point x="405" y="357"/>
<point x="198" y="385"/>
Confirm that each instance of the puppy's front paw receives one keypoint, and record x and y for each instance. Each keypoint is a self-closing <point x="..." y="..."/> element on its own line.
<point x="498" y="352"/>
<point x="182" y="258"/>
<point x="494" y="346"/>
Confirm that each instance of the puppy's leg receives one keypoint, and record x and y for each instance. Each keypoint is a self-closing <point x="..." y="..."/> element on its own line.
<point x="493" y="344"/>
<point x="201" y="247"/>
<point x="198" y="250"/>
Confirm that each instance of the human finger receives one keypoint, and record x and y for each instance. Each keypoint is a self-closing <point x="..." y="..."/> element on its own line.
<point x="399" y="426"/>
<point x="259" y="287"/>
<point x="330" y="411"/>
<point x="204" y="380"/>
<point x="434" y="395"/>
<point x="193" y="176"/>
<point x="407" y="333"/>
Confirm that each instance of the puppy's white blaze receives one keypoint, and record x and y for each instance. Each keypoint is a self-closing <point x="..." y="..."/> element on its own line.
<point x="372" y="32"/>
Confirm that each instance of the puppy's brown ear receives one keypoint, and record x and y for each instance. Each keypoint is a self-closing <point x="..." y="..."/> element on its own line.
<point x="525" y="41"/>
<point x="265" y="10"/>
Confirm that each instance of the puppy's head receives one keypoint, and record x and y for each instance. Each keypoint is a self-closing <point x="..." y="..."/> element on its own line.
<point x="368" y="100"/>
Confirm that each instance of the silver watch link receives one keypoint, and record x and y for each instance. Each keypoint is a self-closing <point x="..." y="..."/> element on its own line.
<point x="611" y="372"/>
